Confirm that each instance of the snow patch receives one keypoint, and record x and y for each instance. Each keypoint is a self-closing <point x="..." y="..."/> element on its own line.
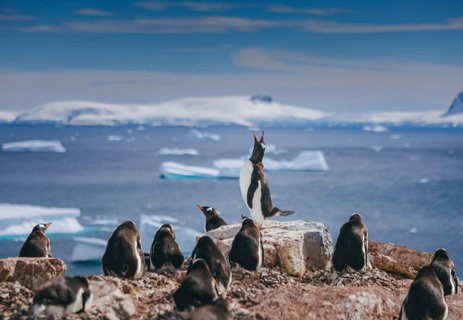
<point x="34" y="146"/>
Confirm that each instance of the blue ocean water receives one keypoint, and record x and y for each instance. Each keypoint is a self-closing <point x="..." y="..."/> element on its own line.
<point x="407" y="183"/>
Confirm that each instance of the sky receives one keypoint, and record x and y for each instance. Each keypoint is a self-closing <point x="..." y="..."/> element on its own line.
<point x="342" y="57"/>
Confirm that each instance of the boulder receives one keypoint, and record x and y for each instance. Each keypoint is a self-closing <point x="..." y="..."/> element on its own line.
<point x="400" y="260"/>
<point x="31" y="272"/>
<point x="294" y="246"/>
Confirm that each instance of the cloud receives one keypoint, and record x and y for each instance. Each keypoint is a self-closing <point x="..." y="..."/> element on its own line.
<point x="189" y="5"/>
<point x="92" y="12"/>
<point x="15" y="17"/>
<point x="312" y="11"/>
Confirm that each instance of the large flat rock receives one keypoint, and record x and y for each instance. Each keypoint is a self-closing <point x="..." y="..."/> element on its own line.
<point x="31" y="272"/>
<point x="294" y="246"/>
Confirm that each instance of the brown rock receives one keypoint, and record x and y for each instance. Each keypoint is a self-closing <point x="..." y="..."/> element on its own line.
<point x="397" y="259"/>
<point x="31" y="272"/>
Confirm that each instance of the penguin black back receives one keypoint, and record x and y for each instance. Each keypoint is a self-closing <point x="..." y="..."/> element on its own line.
<point x="425" y="299"/>
<point x="37" y="243"/>
<point x="247" y="249"/>
<point x="352" y="245"/>
<point x="197" y="289"/>
<point x="219" y="267"/>
<point x="444" y="268"/>
<point x="124" y="256"/>
<point x="165" y="250"/>
<point x="213" y="219"/>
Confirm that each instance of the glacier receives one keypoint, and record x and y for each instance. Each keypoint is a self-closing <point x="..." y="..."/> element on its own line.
<point x="34" y="146"/>
<point x="18" y="220"/>
<point x="177" y="152"/>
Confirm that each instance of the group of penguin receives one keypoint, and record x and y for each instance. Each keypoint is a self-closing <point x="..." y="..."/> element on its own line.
<point x="201" y="294"/>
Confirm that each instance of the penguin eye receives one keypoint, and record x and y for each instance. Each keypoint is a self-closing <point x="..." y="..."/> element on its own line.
<point x="209" y="209"/>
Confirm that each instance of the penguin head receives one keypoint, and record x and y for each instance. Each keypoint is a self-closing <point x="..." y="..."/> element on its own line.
<point x="442" y="261"/>
<point x="258" y="150"/>
<point x="208" y="211"/>
<point x="441" y="253"/>
<point x="205" y="241"/>
<point x="355" y="217"/>
<point x="167" y="229"/>
<point x="249" y="223"/>
<point x="41" y="227"/>
<point x="198" y="264"/>
<point x="127" y="224"/>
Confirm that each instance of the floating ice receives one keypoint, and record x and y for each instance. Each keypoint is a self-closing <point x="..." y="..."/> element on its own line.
<point x="377" y="148"/>
<point x="175" y="170"/>
<point x="423" y="180"/>
<point x="88" y="249"/>
<point x="18" y="220"/>
<point x="185" y="236"/>
<point x="177" y="152"/>
<point x="413" y="230"/>
<point x="194" y="134"/>
<point x="34" y="146"/>
<point x="114" y="138"/>
<point x="377" y="128"/>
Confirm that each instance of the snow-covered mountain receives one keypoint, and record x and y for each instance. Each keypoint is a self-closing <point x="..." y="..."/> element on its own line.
<point x="237" y="110"/>
<point x="456" y="106"/>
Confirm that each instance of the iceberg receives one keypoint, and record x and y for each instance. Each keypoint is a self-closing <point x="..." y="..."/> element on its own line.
<point x="175" y="170"/>
<point x="34" y="146"/>
<point x="202" y="135"/>
<point x="88" y="249"/>
<point x="177" y="152"/>
<point x="18" y="220"/>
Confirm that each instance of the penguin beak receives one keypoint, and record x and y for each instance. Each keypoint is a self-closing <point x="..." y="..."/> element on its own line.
<point x="254" y="135"/>
<point x="262" y="138"/>
<point x="200" y="207"/>
<point x="47" y="225"/>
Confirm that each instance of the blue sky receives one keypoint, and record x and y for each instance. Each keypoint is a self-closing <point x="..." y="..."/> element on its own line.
<point x="336" y="56"/>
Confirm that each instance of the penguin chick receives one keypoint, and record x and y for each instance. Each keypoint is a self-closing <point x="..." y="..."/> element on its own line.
<point x="213" y="218"/>
<point x="219" y="266"/>
<point x="165" y="251"/>
<point x="62" y="296"/>
<point x="352" y="245"/>
<point x="37" y="244"/>
<point x="196" y="290"/>
<point x="124" y="256"/>
<point x="247" y="248"/>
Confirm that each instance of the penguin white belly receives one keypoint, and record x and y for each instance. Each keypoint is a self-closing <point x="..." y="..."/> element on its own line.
<point x="256" y="211"/>
<point x="139" y="271"/>
<point x="245" y="182"/>
<point x="259" y="254"/>
<point x="77" y="305"/>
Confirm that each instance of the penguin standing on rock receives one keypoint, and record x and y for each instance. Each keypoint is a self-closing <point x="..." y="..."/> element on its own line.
<point x="124" y="256"/>
<point x="247" y="249"/>
<point x="213" y="218"/>
<point x="62" y="296"/>
<point x="165" y="251"/>
<point x="37" y="244"/>
<point x="254" y="186"/>
<point x="218" y="265"/>
<point x="426" y="297"/>
<point x="352" y="245"/>
<point x="196" y="290"/>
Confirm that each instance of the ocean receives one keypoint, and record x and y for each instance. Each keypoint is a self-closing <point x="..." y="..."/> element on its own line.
<point x="406" y="182"/>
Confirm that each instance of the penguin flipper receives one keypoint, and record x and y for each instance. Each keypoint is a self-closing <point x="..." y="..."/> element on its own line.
<point x="253" y="185"/>
<point x="283" y="213"/>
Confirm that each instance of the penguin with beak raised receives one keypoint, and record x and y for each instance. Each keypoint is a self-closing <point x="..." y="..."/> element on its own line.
<point x="254" y="186"/>
<point x="37" y="244"/>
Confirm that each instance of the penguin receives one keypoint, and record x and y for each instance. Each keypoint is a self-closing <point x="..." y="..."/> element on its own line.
<point x="425" y="298"/>
<point x="352" y="245"/>
<point x="64" y="295"/>
<point x="218" y="310"/>
<point x="165" y="251"/>
<point x="124" y="256"/>
<point x="219" y="266"/>
<point x="196" y="290"/>
<point x="247" y="249"/>
<point x="37" y="244"/>
<point x="213" y="218"/>
<point x="254" y="186"/>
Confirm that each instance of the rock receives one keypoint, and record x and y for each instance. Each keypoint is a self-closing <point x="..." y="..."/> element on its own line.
<point x="31" y="272"/>
<point x="397" y="259"/>
<point x="294" y="246"/>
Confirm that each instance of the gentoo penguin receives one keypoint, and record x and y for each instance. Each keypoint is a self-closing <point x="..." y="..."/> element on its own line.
<point x="123" y="256"/>
<point x="425" y="299"/>
<point x="37" y="244"/>
<point x="62" y="296"/>
<point x="218" y="310"/>
<point x="213" y="219"/>
<point x="196" y="290"/>
<point x="218" y="265"/>
<point x="247" y="249"/>
<point x="352" y="245"/>
<point x="254" y="186"/>
<point x="165" y="251"/>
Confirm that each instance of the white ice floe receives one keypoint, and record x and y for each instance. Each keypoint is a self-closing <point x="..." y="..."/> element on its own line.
<point x="175" y="170"/>
<point x="185" y="236"/>
<point x="18" y="220"/>
<point x="114" y="137"/>
<point x="194" y="134"/>
<point x="88" y="249"/>
<point x="34" y="146"/>
<point x="177" y="152"/>
<point x="376" y="128"/>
